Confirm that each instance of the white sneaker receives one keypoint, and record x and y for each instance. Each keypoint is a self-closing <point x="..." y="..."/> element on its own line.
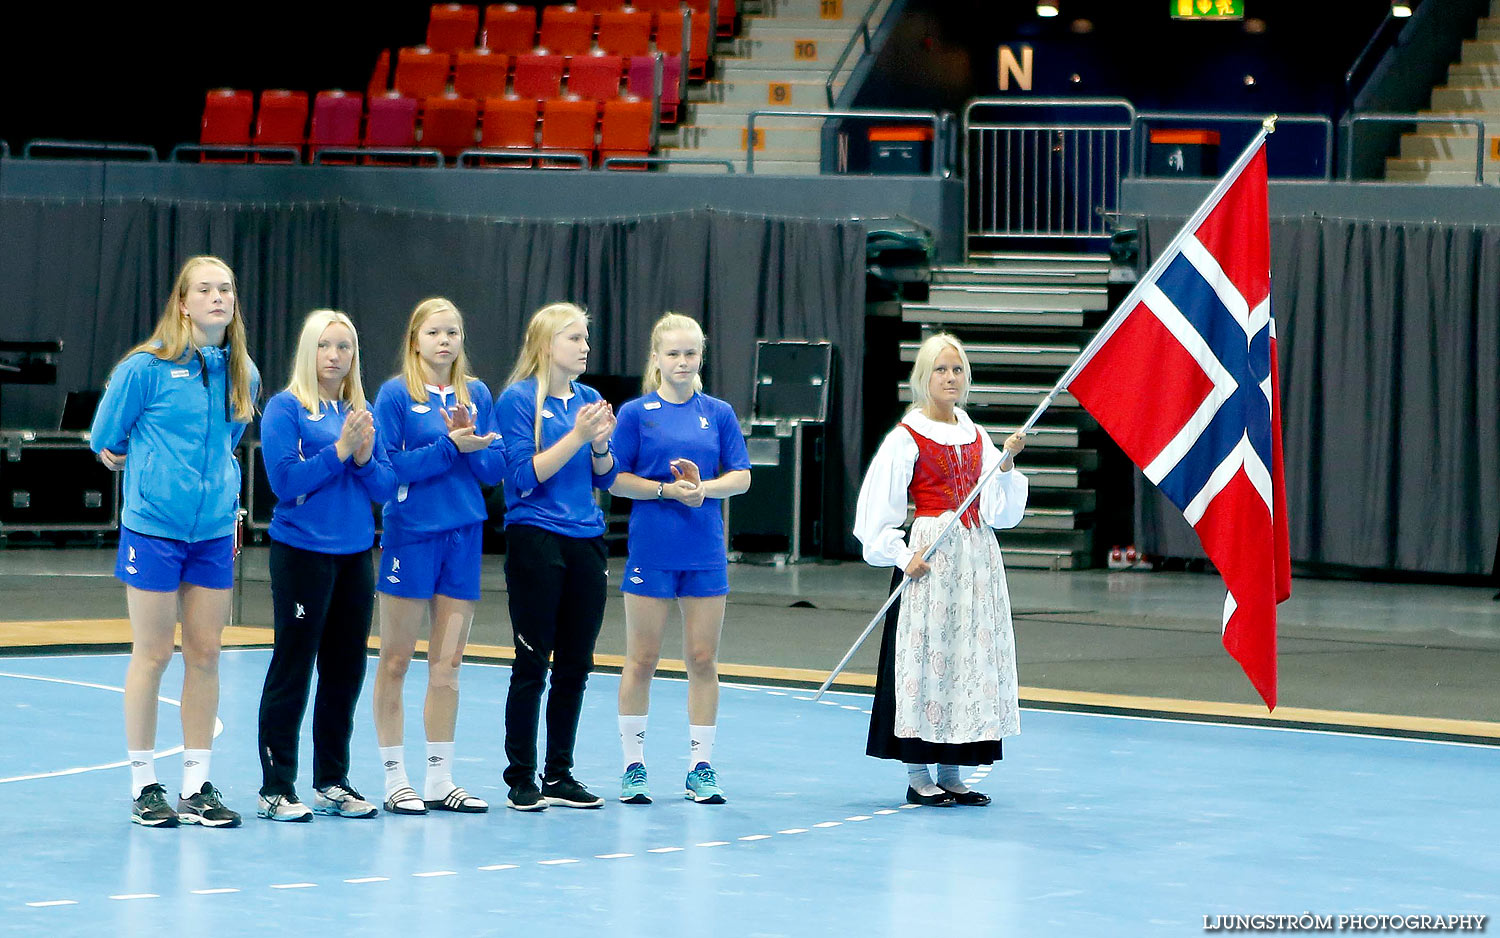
<point x="283" y="808"/>
<point x="342" y="801"/>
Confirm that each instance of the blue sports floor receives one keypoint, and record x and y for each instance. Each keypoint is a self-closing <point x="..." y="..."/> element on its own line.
<point x="1101" y="825"/>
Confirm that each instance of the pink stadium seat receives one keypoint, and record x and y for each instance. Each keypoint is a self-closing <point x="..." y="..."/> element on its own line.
<point x="638" y="83"/>
<point x="392" y="121"/>
<point x="335" y="120"/>
<point x="596" y="77"/>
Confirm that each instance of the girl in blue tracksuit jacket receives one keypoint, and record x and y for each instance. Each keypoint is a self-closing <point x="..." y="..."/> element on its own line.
<point x="170" y="418"/>
<point x="323" y="462"/>
<point x="436" y="423"/>
<point x="557" y="435"/>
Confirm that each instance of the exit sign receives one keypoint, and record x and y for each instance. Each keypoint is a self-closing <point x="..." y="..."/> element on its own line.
<point x="1208" y="9"/>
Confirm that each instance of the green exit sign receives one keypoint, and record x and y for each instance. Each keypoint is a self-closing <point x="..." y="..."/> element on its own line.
<point x="1208" y="9"/>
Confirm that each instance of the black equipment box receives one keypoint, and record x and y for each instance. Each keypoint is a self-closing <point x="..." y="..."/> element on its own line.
<point x="792" y="379"/>
<point x="782" y="512"/>
<point x="51" y="482"/>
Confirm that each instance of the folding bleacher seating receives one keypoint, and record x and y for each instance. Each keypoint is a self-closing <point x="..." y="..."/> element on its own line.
<point x="281" y="122"/>
<point x="538" y="75"/>
<point x="567" y="30"/>
<point x="669" y="41"/>
<point x="626" y="129"/>
<point x="603" y="6"/>
<point x="509" y="28"/>
<point x="509" y="124"/>
<point x="335" y="121"/>
<point x="481" y="74"/>
<point x="625" y="32"/>
<point x="727" y="15"/>
<point x="392" y="121"/>
<point x="226" y="122"/>
<point x="638" y="81"/>
<point x="568" y="124"/>
<point x="450" y="124"/>
<point x="422" y="73"/>
<point x="380" y="76"/>
<point x="452" y="27"/>
<point x="596" y="77"/>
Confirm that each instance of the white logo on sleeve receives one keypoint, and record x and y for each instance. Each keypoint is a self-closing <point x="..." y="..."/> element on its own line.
<point x="301" y="613"/>
<point x="421" y="409"/>
<point x="395" y="569"/>
<point x="702" y="422"/>
<point x="547" y="413"/>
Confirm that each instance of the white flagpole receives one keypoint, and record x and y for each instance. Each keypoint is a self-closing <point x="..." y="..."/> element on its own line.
<point x="1169" y="254"/>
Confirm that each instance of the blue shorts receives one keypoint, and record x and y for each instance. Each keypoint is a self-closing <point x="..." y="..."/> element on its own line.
<point x="162" y="564"/>
<point x="675" y="584"/>
<point x="445" y="564"/>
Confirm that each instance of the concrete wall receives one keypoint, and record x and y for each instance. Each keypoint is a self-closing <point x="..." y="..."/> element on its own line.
<point x="1479" y="205"/>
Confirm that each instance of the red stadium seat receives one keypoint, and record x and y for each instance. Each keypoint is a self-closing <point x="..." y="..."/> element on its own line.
<point x="656" y="6"/>
<point x="669" y="41"/>
<point x="603" y="6"/>
<point x="380" y="76"/>
<point x="422" y="73"/>
<point x="509" y="122"/>
<point x="509" y="28"/>
<point x="335" y="120"/>
<point x="226" y="118"/>
<point x="282" y="122"/>
<point x="639" y="79"/>
<point x="725" y="27"/>
<point x="625" y="32"/>
<point x="568" y="124"/>
<point x="567" y="30"/>
<point x="596" y="77"/>
<point x="450" y="124"/>
<point x="538" y="76"/>
<point x="452" y="27"/>
<point x="626" y="129"/>
<point x="481" y="74"/>
<point x="392" y="121"/>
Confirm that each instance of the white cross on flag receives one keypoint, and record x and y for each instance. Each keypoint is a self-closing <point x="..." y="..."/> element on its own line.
<point x="1183" y="377"/>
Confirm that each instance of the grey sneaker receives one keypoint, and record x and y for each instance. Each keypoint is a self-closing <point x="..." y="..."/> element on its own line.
<point x="151" y="808"/>
<point x="341" y="800"/>
<point x="282" y="808"/>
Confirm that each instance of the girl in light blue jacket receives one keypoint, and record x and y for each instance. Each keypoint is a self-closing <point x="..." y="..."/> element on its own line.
<point x="170" y="418"/>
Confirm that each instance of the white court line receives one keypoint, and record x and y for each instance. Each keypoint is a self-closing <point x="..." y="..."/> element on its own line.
<point x="436" y="873"/>
<point x="294" y="885"/>
<point x="126" y="897"/>
<point x="793" y="830"/>
<point x="218" y="728"/>
<point x="664" y="850"/>
<point x="214" y="892"/>
<point x="368" y="879"/>
<point x="828" y="824"/>
<point x="615" y="856"/>
<point x="52" y="902"/>
<point x="756" y="837"/>
<point x="558" y="862"/>
<point x="715" y="843"/>
<point x="886" y="811"/>
<point x="501" y="866"/>
<point x="858" y="817"/>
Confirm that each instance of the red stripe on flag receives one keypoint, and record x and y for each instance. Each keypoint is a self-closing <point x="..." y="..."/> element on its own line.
<point x="1237" y="232"/>
<point x="1142" y="386"/>
<point x="1236" y="534"/>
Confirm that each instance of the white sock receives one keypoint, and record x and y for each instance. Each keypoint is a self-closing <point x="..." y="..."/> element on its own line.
<point x="439" y="771"/>
<point x="194" y="770"/>
<point x="919" y="780"/>
<point x="633" y="738"/>
<point x="395" y="768"/>
<point x="700" y="745"/>
<point x="142" y="770"/>
<point x="949" y="777"/>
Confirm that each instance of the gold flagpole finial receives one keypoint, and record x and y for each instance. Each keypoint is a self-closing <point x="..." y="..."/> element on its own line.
<point x="1269" y="124"/>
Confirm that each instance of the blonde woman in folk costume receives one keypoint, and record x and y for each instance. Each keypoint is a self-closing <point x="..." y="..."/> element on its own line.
<point x="681" y="453"/>
<point x="946" y="690"/>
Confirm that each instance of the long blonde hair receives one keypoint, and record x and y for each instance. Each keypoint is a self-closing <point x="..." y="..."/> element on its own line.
<point x="173" y="336"/>
<point x="921" y="370"/>
<point x="535" y="360"/>
<point x="411" y="359"/>
<point x="304" y="384"/>
<point x="670" y="322"/>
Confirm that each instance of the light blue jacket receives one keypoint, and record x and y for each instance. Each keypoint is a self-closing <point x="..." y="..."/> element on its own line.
<point x="174" y="422"/>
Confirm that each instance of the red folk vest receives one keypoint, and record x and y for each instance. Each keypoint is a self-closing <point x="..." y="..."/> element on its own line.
<point x="942" y="478"/>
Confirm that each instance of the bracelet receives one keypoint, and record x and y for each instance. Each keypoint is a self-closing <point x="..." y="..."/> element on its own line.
<point x="599" y="455"/>
<point x="659" y="487"/>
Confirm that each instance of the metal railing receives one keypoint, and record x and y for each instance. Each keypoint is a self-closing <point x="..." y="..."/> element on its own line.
<point x="1350" y="120"/>
<point x="357" y="154"/>
<point x="286" y="154"/>
<point x="480" y="156"/>
<point x="929" y="117"/>
<point x="862" y="31"/>
<point x="1055" y="178"/>
<point x="616" y="162"/>
<point x="1144" y="119"/>
<point x="83" y="149"/>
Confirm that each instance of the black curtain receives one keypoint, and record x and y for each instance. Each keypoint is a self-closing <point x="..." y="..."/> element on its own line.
<point x="96" y="273"/>
<point x="1388" y="337"/>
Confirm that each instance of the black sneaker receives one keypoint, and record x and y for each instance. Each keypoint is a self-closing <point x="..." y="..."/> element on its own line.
<point x="567" y="793"/>
<point x="525" y="796"/>
<point x="205" y="808"/>
<point x="151" y="808"/>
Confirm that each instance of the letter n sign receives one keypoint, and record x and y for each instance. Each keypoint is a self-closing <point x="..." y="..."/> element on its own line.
<point x="1009" y="68"/>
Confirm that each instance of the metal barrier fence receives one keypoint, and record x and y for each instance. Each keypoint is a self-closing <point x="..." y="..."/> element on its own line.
<point x="933" y="118"/>
<point x="1145" y="119"/>
<point x="1350" y="120"/>
<point x="1057" y="178"/>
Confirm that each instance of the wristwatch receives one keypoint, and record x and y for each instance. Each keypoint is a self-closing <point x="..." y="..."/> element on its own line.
<point x="659" y="487"/>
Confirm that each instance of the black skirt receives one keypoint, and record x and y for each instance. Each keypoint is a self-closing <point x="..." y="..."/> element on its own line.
<point x="883" y="743"/>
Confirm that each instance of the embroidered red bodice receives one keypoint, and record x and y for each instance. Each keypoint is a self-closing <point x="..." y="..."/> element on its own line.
<point x="944" y="475"/>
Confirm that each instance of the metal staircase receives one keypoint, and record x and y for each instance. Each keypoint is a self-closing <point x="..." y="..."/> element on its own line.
<point x="1023" y="318"/>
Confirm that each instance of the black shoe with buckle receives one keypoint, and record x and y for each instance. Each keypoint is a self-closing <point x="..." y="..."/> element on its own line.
<point x="968" y="797"/>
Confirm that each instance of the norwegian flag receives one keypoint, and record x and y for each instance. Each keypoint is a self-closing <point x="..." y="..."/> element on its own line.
<point x="1183" y="377"/>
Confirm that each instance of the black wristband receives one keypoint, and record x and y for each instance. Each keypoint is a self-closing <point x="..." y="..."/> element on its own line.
<point x="596" y="455"/>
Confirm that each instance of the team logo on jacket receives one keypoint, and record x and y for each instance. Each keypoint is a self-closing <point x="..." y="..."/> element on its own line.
<point x="421" y="409"/>
<point x="314" y="418"/>
<point x="181" y="373"/>
<point x="547" y="413"/>
<point x="301" y="613"/>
